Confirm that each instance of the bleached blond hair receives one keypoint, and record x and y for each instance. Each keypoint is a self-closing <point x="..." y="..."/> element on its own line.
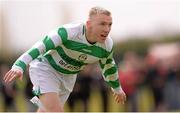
<point x="98" y="10"/>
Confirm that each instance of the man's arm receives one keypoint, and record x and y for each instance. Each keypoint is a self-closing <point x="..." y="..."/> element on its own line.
<point x="110" y="75"/>
<point x="51" y="41"/>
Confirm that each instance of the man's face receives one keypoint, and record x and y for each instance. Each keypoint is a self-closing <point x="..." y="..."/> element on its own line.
<point x="100" y="26"/>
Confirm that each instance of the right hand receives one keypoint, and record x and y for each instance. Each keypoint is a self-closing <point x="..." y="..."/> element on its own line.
<point x="12" y="74"/>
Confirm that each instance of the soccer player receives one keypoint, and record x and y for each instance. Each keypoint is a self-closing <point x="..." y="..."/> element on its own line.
<point x="63" y="53"/>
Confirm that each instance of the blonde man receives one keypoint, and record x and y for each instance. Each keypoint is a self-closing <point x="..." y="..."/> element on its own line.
<point x="56" y="60"/>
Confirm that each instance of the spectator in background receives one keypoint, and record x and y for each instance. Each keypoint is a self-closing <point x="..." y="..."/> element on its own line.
<point x="156" y="78"/>
<point x="129" y="74"/>
<point x="102" y="87"/>
<point x="81" y="90"/>
<point x="172" y="88"/>
<point x="8" y="91"/>
<point x="29" y="94"/>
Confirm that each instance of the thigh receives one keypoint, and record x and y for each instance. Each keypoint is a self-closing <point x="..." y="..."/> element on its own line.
<point x="43" y="78"/>
<point x="47" y="80"/>
<point x="51" y="102"/>
<point x="66" y="87"/>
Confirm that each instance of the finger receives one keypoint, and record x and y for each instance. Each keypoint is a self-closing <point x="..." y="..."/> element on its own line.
<point x="124" y="96"/>
<point x="21" y="77"/>
<point x="113" y="94"/>
<point x="8" y="75"/>
<point x="122" y="99"/>
<point x="117" y="99"/>
<point x="11" y="76"/>
<point x="122" y="102"/>
<point x="5" y="76"/>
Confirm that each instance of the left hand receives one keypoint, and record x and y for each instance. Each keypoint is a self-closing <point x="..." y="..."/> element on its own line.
<point x="120" y="97"/>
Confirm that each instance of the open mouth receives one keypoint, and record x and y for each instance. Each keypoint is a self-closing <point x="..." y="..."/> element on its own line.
<point x="102" y="35"/>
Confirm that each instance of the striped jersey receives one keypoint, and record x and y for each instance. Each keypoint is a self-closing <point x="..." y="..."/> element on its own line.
<point x="67" y="50"/>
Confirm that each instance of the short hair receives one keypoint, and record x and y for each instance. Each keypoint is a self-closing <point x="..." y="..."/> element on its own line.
<point x="98" y="10"/>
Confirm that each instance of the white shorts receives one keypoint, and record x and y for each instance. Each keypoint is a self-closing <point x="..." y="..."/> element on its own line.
<point x="46" y="79"/>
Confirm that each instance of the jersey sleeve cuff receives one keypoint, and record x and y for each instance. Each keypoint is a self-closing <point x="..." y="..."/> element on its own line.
<point x="117" y="90"/>
<point x="14" y="67"/>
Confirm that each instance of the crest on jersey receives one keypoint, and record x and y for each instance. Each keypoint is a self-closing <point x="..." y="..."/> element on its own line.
<point x="82" y="57"/>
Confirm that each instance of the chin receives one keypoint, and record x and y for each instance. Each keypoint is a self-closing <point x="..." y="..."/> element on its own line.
<point x="101" y="41"/>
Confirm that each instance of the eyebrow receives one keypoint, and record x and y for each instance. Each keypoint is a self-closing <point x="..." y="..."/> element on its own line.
<point x="106" y="22"/>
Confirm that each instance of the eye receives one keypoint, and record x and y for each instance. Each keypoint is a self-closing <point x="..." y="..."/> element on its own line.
<point x="110" y="24"/>
<point x="102" y="23"/>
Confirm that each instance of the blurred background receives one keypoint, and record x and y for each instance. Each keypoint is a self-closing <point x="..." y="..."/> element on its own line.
<point x="146" y="36"/>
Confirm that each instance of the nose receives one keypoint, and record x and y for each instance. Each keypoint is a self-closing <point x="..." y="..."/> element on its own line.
<point x="107" y="28"/>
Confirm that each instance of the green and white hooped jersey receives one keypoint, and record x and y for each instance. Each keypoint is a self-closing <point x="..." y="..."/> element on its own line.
<point x="68" y="52"/>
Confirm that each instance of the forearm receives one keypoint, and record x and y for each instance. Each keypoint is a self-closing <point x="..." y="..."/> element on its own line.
<point x="110" y="73"/>
<point x="51" y="41"/>
<point x="114" y="82"/>
<point x="22" y="62"/>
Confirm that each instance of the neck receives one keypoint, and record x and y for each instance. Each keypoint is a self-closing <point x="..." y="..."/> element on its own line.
<point x="90" y="37"/>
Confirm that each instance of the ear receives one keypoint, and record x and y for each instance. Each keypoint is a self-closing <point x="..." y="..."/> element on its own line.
<point x="88" y="23"/>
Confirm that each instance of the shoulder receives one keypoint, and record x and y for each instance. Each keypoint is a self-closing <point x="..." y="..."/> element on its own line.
<point x="73" y="29"/>
<point x="73" y="25"/>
